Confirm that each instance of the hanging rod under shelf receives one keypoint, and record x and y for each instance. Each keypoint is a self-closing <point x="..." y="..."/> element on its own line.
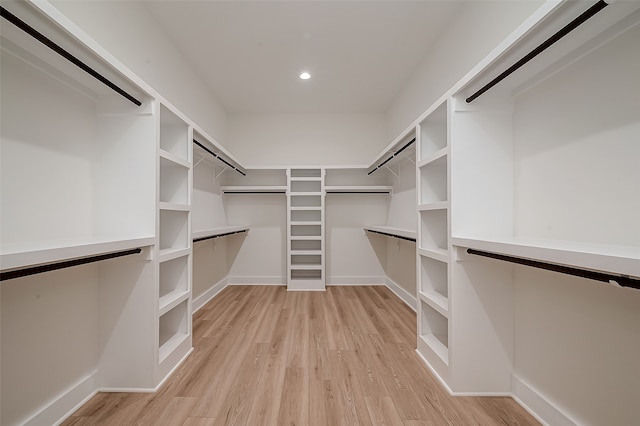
<point x="386" y="234"/>
<point x="65" y="54"/>
<point x="392" y="156"/>
<point x="25" y="272"/>
<point x="195" y="240"/>
<point x="231" y="166"/>
<point x="593" y="10"/>
<point x="623" y="281"/>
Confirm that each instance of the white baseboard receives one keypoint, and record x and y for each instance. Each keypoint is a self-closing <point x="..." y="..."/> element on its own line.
<point x="403" y="294"/>
<point x="355" y="281"/>
<point x="257" y="280"/>
<point x="60" y="408"/>
<point x="538" y="405"/>
<point x="205" y="297"/>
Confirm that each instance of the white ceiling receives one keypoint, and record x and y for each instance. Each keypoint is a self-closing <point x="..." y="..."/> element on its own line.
<point x="250" y="53"/>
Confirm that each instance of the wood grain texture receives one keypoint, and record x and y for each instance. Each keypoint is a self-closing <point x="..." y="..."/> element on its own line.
<point x="265" y="356"/>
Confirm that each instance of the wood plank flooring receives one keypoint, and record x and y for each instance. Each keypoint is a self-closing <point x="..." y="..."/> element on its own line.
<point x="265" y="356"/>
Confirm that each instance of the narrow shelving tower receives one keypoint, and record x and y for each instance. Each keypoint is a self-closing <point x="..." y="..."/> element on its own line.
<point x="305" y="228"/>
<point x="433" y="253"/>
<point x="174" y="241"/>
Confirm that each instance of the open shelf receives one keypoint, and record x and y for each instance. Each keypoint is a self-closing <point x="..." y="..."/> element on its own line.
<point x="173" y="329"/>
<point x="434" y="230"/>
<point x="21" y="255"/>
<point x="434" y="331"/>
<point x="219" y="232"/>
<point x="359" y="189"/>
<point x="433" y="134"/>
<point x="433" y="181"/>
<point x="405" y="234"/>
<point x="174" y="226"/>
<point x="434" y="284"/>
<point x="174" y="134"/>
<point x="254" y="189"/>
<point x="620" y="260"/>
<point x="174" y="182"/>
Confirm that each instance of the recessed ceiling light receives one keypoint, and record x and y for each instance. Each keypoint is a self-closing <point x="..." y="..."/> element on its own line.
<point x="305" y="76"/>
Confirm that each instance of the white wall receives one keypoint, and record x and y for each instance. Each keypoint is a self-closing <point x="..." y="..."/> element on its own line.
<point x="577" y="341"/>
<point x="480" y="27"/>
<point x="128" y="32"/>
<point x="306" y="139"/>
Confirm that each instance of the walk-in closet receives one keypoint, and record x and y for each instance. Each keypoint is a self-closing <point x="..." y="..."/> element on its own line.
<point x="190" y="237"/>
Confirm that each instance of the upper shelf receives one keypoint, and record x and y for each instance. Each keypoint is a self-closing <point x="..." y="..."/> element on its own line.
<point x="402" y="148"/>
<point x="28" y="31"/>
<point x="619" y="260"/>
<point x="222" y="231"/>
<point x="204" y="150"/>
<point x="254" y="189"/>
<point x="358" y="189"/>
<point x="21" y="255"/>
<point x="403" y="234"/>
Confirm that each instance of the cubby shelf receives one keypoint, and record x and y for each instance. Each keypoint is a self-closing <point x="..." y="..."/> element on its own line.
<point x="441" y="255"/>
<point x="437" y="205"/>
<point x="171" y="300"/>
<point x="436" y="301"/>
<point x="437" y="158"/>
<point x="437" y="344"/>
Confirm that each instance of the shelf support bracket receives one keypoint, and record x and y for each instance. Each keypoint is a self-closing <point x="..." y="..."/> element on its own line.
<point x="391" y="170"/>
<point x="223" y="170"/>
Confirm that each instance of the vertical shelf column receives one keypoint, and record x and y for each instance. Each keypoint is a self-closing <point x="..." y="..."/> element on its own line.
<point x="433" y="242"/>
<point x="174" y="263"/>
<point x="305" y="229"/>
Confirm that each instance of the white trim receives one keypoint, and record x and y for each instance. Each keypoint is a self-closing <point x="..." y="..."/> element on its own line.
<point x="408" y="298"/>
<point x="205" y="297"/>
<point x="66" y="403"/>
<point x="278" y="280"/>
<point x="435" y="373"/>
<point x="538" y="405"/>
<point x="355" y="281"/>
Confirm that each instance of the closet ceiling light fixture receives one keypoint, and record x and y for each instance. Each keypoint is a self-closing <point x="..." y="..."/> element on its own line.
<point x="305" y="76"/>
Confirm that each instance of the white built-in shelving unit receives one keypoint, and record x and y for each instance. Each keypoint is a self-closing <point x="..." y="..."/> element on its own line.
<point x="174" y="239"/>
<point x="305" y="229"/>
<point x="520" y="171"/>
<point x="433" y="244"/>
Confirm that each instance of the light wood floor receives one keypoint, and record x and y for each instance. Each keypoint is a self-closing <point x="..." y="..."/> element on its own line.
<point x="265" y="356"/>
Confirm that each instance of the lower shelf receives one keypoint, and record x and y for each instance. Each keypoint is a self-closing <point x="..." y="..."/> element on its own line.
<point x="171" y="343"/>
<point x="438" y="343"/>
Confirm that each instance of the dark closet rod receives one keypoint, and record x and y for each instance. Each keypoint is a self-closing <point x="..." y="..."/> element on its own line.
<point x="395" y="154"/>
<point x="255" y="192"/>
<point x="219" y="158"/>
<point x="68" y="56"/>
<point x="542" y="47"/>
<point x="195" y="240"/>
<point x="358" y="192"/>
<point x="400" y="237"/>
<point x="583" y="273"/>
<point x="25" y="272"/>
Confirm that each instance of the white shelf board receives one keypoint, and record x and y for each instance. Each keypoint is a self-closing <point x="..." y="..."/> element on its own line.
<point x="358" y="188"/>
<point x="212" y="232"/>
<point x="305" y="237"/>
<point x="305" y="194"/>
<point x="436" y="345"/>
<point x="174" y="158"/>
<point x="306" y="252"/>
<point x="438" y="205"/>
<point x="306" y="267"/>
<point x="621" y="260"/>
<point x="436" y="301"/>
<point x="171" y="300"/>
<point x="306" y="208"/>
<point x="305" y="178"/>
<point x="20" y="255"/>
<point x="254" y="188"/>
<point x="437" y="158"/>
<point x="171" y="344"/>
<point x="438" y="254"/>
<point x="306" y="222"/>
<point x="171" y="253"/>
<point x="174" y="206"/>
<point x="398" y="232"/>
